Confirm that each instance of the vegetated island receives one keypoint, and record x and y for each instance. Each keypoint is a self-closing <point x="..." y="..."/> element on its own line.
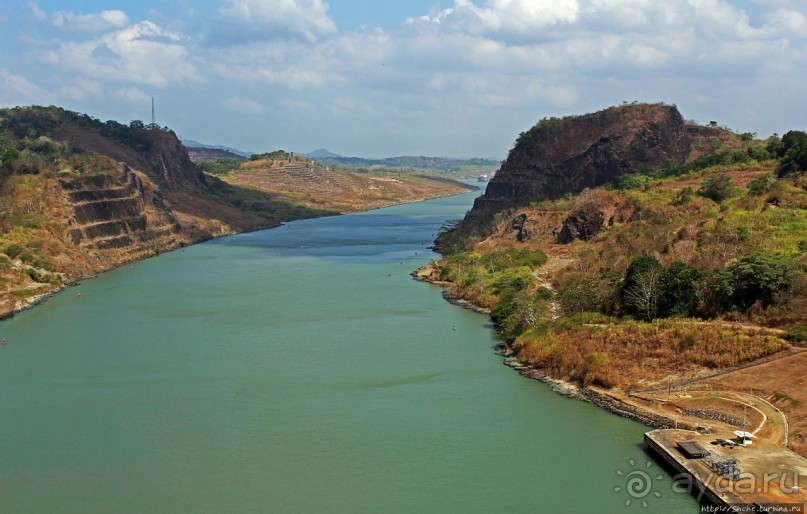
<point x="649" y="264"/>
<point x="79" y="196"/>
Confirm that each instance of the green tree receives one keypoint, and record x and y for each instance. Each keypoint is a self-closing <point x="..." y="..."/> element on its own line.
<point x="794" y="153"/>
<point x="715" y="292"/>
<point x="759" y="277"/>
<point x="586" y="294"/>
<point x="679" y="290"/>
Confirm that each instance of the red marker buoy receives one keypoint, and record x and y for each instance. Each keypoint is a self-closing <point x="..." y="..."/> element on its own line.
<point x="79" y="295"/>
<point x="4" y="341"/>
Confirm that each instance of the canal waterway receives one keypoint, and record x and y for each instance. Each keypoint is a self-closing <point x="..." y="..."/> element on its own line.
<point x="298" y="369"/>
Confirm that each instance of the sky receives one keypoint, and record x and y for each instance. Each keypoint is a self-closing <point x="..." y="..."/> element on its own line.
<point x="373" y="78"/>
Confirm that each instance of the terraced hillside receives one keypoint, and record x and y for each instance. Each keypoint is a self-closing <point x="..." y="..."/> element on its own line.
<point x="79" y="196"/>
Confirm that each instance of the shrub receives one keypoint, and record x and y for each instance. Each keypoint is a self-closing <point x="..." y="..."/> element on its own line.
<point x="761" y="185"/>
<point x="13" y="250"/>
<point x="529" y="258"/>
<point x="684" y="196"/>
<point x="716" y="187"/>
<point x="220" y="167"/>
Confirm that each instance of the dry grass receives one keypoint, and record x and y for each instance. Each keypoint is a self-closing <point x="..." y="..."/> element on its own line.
<point x="628" y="354"/>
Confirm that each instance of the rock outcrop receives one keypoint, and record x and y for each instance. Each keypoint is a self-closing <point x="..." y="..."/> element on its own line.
<point x="565" y="156"/>
<point x="164" y="159"/>
<point x="131" y="215"/>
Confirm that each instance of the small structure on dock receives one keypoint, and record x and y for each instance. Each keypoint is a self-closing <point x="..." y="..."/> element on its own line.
<point x="744" y="437"/>
<point x="692" y="450"/>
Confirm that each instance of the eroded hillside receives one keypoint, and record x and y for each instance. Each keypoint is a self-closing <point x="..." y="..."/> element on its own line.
<point x="659" y="277"/>
<point x="79" y="196"/>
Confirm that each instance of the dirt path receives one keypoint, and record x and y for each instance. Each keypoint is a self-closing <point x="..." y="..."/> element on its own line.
<point x="544" y="276"/>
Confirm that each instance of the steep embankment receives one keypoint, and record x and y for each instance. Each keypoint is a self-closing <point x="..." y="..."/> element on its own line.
<point x="661" y="277"/>
<point x="78" y="196"/>
<point x="559" y="156"/>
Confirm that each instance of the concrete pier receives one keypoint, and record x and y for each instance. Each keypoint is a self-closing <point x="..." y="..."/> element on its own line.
<point x="765" y="475"/>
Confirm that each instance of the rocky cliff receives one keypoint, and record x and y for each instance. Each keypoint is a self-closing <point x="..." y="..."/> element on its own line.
<point x="161" y="156"/>
<point x="560" y="156"/>
<point x="78" y="196"/>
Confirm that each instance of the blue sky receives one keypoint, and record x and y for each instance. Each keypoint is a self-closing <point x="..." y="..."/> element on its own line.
<point x="368" y="78"/>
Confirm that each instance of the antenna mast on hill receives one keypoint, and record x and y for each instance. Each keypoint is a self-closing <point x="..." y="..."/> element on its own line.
<point x="153" y="118"/>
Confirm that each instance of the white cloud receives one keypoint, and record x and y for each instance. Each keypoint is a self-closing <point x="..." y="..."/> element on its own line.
<point x="243" y="105"/>
<point x="81" y="90"/>
<point x="141" y="54"/>
<point x="507" y="62"/>
<point x="16" y="90"/>
<point x="100" y="22"/>
<point x="34" y="10"/>
<point x="308" y="18"/>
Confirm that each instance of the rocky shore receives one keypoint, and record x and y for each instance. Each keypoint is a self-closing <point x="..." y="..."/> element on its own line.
<point x="600" y="398"/>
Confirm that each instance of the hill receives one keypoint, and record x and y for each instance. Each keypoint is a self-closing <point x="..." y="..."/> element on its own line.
<point x="190" y="143"/>
<point x="687" y="261"/>
<point x="559" y="156"/>
<point x="409" y="164"/>
<point x="79" y="196"/>
<point x="305" y="182"/>
<point x="205" y="154"/>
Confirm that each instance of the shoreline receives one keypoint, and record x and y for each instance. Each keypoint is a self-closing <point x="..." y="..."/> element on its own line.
<point x="602" y="399"/>
<point x="629" y="405"/>
<point x="18" y="306"/>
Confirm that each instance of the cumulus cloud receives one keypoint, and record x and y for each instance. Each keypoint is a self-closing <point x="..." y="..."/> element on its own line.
<point x="507" y="60"/>
<point x="32" y="9"/>
<point x="141" y="54"/>
<point x="100" y="22"/>
<point x="16" y="89"/>
<point x="264" y="19"/>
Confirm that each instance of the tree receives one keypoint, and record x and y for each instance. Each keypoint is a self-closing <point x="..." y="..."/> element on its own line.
<point x="759" y="277"/>
<point x="794" y="153"/>
<point x="642" y="288"/>
<point x="714" y="292"/>
<point x="680" y="284"/>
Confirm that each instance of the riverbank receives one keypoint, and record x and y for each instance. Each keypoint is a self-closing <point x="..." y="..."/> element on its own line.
<point x="196" y="228"/>
<point x="172" y="352"/>
<point x="697" y="400"/>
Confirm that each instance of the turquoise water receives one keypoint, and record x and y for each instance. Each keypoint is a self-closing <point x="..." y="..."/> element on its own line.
<point x="299" y="369"/>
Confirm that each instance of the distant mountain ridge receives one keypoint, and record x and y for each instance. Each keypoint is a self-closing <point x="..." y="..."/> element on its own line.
<point x="200" y="154"/>
<point x="329" y="158"/>
<point x="190" y="143"/>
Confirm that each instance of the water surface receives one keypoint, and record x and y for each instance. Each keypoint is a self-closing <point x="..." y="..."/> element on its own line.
<point x="298" y="369"/>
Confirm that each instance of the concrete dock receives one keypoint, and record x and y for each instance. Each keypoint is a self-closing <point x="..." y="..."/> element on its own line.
<point x="764" y="475"/>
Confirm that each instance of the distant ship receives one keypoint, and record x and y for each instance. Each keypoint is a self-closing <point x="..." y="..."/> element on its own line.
<point x="482" y="178"/>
